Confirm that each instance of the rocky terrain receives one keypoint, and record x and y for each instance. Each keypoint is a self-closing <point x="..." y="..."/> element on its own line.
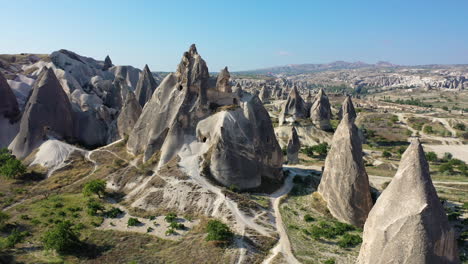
<point x="330" y="163"/>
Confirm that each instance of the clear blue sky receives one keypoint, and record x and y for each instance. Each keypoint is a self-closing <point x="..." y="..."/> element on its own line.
<point x="240" y="34"/>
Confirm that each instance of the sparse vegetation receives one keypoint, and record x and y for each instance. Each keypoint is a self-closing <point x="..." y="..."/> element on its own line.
<point x="10" y="167"/>
<point x="218" y="231"/>
<point x="62" y="238"/>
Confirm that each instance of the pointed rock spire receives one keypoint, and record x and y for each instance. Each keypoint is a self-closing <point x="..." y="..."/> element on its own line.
<point x="347" y="108"/>
<point x="107" y="63"/>
<point x="294" y="108"/>
<point x="222" y="83"/>
<point x="294" y="145"/>
<point x="131" y="111"/>
<point x="309" y="98"/>
<point x="8" y="103"/>
<point x="192" y="72"/>
<point x="320" y="113"/>
<point x="48" y="113"/>
<point x="408" y="223"/>
<point x="145" y="86"/>
<point x="345" y="184"/>
<point x="264" y="94"/>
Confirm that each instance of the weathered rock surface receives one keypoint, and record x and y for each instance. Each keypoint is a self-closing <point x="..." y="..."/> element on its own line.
<point x="264" y="94"/>
<point x="48" y="113"/>
<point x="242" y="147"/>
<point x="222" y="82"/>
<point x="347" y="108"/>
<point x="345" y="184"/>
<point x="145" y="87"/>
<point x="294" y="145"/>
<point x="8" y="104"/>
<point x="131" y="111"/>
<point x="294" y="108"/>
<point x="130" y="74"/>
<point x="408" y="223"/>
<point x="320" y="113"/>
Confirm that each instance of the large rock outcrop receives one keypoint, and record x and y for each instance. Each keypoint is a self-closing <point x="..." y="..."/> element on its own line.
<point x="242" y="147"/>
<point x="174" y="109"/>
<point x="48" y="113"/>
<point x="107" y="63"/>
<point x="345" y="184"/>
<point x="222" y="82"/>
<point x="264" y="94"/>
<point x="294" y="108"/>
<point x="294" y="145"/>
<point x="320" y="112"/>
<point x="128" y="116"/>
<point x="408" y="223"/>
<point x="130" y="74"/>
<point x="145" y="86"/>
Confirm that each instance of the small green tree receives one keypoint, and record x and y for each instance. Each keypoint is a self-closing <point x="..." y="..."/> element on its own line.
<point x="218" y="231"/>
<point x="62" y="238"/>
<point x="12" y="168"/>
<point x="94" y="206"/>
<point x="431" y="156"/>
<point x="94" y="187"/>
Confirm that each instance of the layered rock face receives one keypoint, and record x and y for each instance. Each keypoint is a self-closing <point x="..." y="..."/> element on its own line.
<point x="48" y="113"/>
<point x="408" y="223"/>
<point x="320" y="113"/>
<point x="222" y="83"/>
<point x="8" y="105"/>
<point x="242" y="147"/>
<point x="347" y="107"/>
<point x="345" y="184"/>
<point x="294" y="145"/>
<point x="294" y="108"/>
<point x="145" y="86"/>
<point x="129" y="114"/>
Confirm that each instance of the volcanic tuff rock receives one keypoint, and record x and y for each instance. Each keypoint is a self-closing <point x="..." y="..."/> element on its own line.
<point x="8" y="104"/>
<point x="145" y="87"/>
<point x="131" y="111"/>
<point x="347" y="108"/>
<point x="107" y="63"/>
<point x="173" y="110"/>
<point x="408" y="223"/>
<point x="320" y="113"/>
<point x="264" y="94"/>
<point x="242" y="146"/>
<point x="345" y="184"/>
<point x="294" y="145"/>
<point x="222" y="83"/>
<point x="130" y="74"/>
<point x="48" y="113"/>
<point x="294" y="108"/>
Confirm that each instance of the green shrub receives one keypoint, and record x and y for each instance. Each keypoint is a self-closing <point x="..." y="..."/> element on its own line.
<point x="14" y="238"/>
<point x="308" y="218"/>
<point x="12" y="168"/>
<point x="218" y="231"/>
<point x="170" y="217"/>
<point x="113" y="212"/>
<point x="446" y="168"/>
<point x="62" y="238"/>
<point x="170" y="231"/>
<point x="428" y="129"/>
<point x="329" y="229"/>
<point x="94" y="206"/>
<point x="149" y="230"/>
<point x="133" y="222"/>
<point x="460" y="126"/>
<point x="329" y="261"/>
<point x="176" y="225"/>
<point x="94" y="187"/>
<point x="431" y="156"/>
<point x="386" y="154"/>
<point x="349" y="240"/>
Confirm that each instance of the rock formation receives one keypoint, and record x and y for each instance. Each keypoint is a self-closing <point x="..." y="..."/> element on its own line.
<point x="48" y="113"/>
<point x="222" y="83"/>
<point x="345" y="184"/>
<point x="107" y="63"/>
<point x="320" y="113"/>
<point x="294" y="145"/>
<point x="145" y="86"/>
<point x="347" y="107"/>
<point x="264" y="94"/>
<point x="131" y="111"/>
<point x="130" y="74"/>
<point x="242" y="146"/>
<point x="8" y="104"/>
<point x="237" y="90"/>
<point x="294" y="108"/>
<point x="408" y="223"/>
